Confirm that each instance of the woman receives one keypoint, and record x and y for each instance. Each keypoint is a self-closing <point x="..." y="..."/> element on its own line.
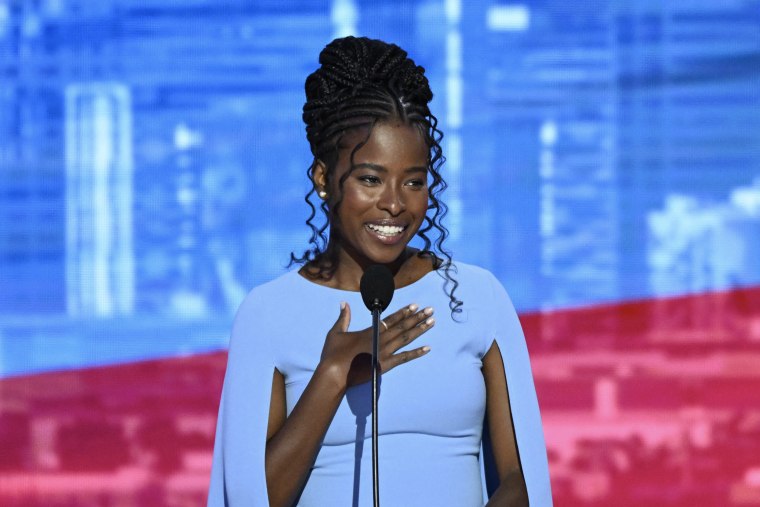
<point x="456" y="377"/>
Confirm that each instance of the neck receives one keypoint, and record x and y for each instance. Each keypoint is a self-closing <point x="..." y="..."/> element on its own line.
<point x="350" y="268"/>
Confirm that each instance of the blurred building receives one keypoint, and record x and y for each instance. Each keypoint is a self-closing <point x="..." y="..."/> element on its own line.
<point x="697" y="245"/>
<point x="686" y="112"/>
<point x="544" y="136"/>
<point x="31" y="168"/>
<point x="100" y="279"/>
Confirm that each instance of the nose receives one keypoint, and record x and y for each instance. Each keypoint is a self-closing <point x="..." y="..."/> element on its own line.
<point x="391" y="200"/>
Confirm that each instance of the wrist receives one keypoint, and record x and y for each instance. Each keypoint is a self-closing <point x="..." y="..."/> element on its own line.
<point x="332" y="378"/>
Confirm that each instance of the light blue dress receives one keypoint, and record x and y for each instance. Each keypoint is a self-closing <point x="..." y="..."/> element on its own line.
<point x="431" y="410"/>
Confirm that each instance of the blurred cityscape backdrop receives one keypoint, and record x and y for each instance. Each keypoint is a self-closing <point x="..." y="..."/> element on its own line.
<point x="603" y="158"/>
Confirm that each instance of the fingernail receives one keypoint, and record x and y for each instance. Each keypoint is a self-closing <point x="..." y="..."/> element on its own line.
<point x="413" y="307"/>
<point x="430" y="321"/>
<point x="428" y="310"/>
<point x="342" y="305"/>
<point x="426" y="349"/>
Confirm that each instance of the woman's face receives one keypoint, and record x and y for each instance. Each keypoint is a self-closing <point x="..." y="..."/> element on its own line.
<point x="385" y="199"/>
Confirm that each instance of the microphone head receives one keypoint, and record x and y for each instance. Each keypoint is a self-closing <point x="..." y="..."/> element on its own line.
<point x="377" y="287"/>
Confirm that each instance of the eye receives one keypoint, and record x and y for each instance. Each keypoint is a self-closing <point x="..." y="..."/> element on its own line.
<point x="370" y="179"/>
<point x="416" y="183"/>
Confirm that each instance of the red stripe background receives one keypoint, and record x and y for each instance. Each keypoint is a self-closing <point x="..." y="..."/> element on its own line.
<point x="652" y="402"/>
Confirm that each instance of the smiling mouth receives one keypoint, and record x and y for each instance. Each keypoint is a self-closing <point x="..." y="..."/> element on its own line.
<point x="388" y="231"/>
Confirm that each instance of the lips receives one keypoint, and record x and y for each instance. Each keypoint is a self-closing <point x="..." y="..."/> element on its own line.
<point x="387" y="230"/>
<point x="388" y="233"/>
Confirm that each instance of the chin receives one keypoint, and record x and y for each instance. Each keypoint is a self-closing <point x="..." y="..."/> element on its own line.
<point x="385" y="257"/>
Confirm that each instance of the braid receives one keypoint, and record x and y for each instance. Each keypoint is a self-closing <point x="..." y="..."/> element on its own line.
<point x="360" y="82"/>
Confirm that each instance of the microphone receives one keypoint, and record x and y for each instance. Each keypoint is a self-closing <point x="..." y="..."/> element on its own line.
<point x="377" y="288"/>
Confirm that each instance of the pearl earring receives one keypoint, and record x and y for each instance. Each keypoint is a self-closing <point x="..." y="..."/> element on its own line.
<point x="322" y="194"/>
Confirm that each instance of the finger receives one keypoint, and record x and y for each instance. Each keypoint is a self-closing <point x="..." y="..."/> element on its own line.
<point x="399" y="315"/>
<point x="404" y="357"/>
<point x="409" y="322"/>
<point x="344" y="318"/>
<point x="410" y="334"/>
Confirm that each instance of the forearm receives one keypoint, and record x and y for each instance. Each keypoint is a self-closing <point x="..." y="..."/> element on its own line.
<point x="511" y="492"/>
<point x="290" y="453"/>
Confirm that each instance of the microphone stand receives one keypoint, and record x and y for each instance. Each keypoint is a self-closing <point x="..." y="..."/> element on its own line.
<point x="376" y="309"/>
<point x="376" y="286"/>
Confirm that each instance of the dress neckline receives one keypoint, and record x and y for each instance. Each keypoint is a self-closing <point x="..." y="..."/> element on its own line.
<point x="307" y="282"/>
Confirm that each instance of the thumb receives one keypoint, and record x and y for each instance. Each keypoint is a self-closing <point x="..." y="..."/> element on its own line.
<point x="344" y="319"/>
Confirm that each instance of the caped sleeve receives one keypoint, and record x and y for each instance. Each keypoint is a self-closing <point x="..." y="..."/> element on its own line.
<point x="508" y="334"/>
<point x="237" y="473"/>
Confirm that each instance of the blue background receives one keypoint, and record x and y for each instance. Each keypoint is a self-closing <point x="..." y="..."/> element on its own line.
<point x="153" y="158"/>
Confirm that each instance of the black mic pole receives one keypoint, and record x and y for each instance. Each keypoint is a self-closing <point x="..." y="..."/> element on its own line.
<point x="375" y="371"/>
<point x="377" y="288"/>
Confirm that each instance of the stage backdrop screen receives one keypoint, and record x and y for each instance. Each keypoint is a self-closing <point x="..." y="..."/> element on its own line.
<point x="602" y="160"/>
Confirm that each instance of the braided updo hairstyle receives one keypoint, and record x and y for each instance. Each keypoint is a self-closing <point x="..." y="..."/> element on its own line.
<point x="362" y="82"/>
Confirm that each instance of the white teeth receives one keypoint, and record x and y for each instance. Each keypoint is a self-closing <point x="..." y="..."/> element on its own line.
<point x="386" y="230"/>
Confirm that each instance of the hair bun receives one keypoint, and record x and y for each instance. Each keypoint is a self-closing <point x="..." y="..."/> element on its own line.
<point x="350" y="64"/>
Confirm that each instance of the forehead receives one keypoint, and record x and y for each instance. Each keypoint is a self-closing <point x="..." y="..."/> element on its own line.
<point x="390" y="144"/>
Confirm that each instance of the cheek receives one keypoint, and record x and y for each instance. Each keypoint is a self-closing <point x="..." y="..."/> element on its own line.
<point x="356" y="199"/>
<point x="420" y="203"/>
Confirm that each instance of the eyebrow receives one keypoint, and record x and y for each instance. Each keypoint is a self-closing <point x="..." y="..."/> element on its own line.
<point x="382" y="169"/>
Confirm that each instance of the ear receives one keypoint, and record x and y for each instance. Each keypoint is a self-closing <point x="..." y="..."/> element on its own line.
<point x="319" y="176"/>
